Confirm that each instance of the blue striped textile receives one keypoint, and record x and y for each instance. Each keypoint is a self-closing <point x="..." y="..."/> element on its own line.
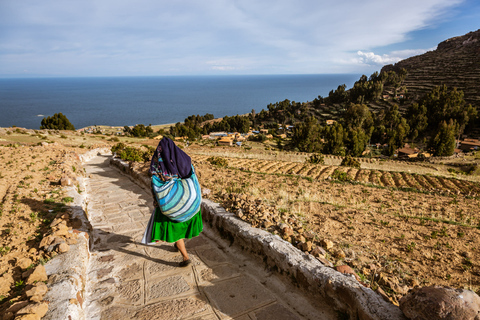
<point x="178" y="199"/>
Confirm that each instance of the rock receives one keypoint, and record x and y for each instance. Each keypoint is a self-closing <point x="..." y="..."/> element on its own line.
<point x="287" y="231"/>
<point x="60" y="230"/>
<point x="382" y="294"/>
<point x="339" y="254"/>
<point x="436" y="302"/>
<point x="17" y="306"/>
<point x="36" y="293"/>
<point x="65" y="181"/>
<point x="6" y="281"/>
<point x="347" y="270"/>
<point x="318" y="251"/>
<point x="414" y="283"/>
<point x="300" y="238"/>
<point x="46" y="241"/>
<point x="325" y="262"/>
<point x="239" y="213"/>
<point x="63" y="247"/>
<point x="309" y="235"/>
<point x="305" y="246"/>
<point x="28" y="317"/>
<point x="327" y="244"/>
<point x="8" y="316"/>
<point x="24" y="263"/>
<point x="55" y="222"/>
<point x="39" y="309"/>
<point x="39" y="274"/>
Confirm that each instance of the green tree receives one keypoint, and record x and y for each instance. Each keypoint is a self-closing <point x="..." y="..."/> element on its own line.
<point x="307" y="136"/>
<point x="397" y="130"/>
<point x="58" y="122"/>
<point x="417" y="119"/>
<point x="355" y="141"/>
<point x="443" y="143"/>
<point x="334" y="140"/>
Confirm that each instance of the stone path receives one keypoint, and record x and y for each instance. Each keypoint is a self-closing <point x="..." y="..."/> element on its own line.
<point x="128" y="280"/>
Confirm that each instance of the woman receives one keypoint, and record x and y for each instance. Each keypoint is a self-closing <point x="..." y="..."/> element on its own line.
<point x="177" y="199"/>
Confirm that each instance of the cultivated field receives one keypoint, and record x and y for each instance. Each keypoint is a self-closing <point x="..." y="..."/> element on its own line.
<point x="396" y="224"/>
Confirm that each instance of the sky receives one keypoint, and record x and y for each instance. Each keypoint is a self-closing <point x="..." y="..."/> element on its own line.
<point x="221" y="37"/>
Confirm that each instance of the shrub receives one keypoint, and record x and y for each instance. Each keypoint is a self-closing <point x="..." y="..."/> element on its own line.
<point x="349" y="161"/>
<point x="340" y="176"/>
<point x="218" y="161"/>
<point x="58" y="121"/>
<point x="118" y="147"/>
<point x="131" y="154"/>
<point x="316" y="158"/>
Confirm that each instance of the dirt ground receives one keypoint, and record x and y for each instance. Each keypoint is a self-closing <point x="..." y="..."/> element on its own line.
<point x="397" y="225"/>
<point x="397" y="230"/>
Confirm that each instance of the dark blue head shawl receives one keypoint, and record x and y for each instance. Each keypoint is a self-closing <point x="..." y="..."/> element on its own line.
<point x="170" y="160"/>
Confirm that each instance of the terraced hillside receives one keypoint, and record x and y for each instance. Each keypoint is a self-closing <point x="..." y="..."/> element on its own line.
<point x="455" y="62"/>
<point x="384" y="178"/>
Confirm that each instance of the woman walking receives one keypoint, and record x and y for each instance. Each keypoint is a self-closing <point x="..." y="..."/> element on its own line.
<point x="177" y="199"/>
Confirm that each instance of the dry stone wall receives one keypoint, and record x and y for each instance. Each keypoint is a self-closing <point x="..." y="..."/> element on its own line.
<point x="306" y="271"/>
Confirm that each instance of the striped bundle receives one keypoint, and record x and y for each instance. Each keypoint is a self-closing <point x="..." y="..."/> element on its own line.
<point x="178" y="199"/>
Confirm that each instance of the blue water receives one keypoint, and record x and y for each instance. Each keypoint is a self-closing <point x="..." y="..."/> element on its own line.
<point x="152" y="100"/>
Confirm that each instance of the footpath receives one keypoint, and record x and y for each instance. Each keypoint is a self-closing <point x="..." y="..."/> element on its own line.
<point x="129" y="280"/>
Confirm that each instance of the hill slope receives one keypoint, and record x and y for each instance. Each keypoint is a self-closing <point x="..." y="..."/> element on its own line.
<point x="455" y="62"/>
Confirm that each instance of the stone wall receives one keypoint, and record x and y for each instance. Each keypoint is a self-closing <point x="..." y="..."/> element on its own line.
<point x="343" y="291"/>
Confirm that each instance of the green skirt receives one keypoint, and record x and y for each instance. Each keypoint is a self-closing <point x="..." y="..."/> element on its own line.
<point x="167" y="230"/>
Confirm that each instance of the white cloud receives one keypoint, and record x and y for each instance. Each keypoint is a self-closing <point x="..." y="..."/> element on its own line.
<point x="154" y="37"/>
<point x="370" y="58"/>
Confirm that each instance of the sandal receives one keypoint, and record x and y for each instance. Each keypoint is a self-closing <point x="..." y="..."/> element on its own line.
<point x="185" y="263"/>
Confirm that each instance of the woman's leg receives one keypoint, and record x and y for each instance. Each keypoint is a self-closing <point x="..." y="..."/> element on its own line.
<point x="181" y="247"/>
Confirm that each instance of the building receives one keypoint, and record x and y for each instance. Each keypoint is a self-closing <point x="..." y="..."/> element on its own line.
<point x="225" y="141"/>
<point x="469" y="145"/>
<point x="407" y="152"/>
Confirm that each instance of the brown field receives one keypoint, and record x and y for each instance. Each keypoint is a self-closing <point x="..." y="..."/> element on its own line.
<point x="397" y="224"/>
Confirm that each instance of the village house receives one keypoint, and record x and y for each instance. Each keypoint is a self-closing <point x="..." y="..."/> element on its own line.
<point x="225" y="141"/>
<point x="469" y="145"/>
<point x="264" y="131"/>
<point x="407" y="152"/>
<point x="330" y="122"/>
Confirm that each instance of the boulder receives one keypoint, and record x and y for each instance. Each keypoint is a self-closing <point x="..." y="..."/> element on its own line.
<point x="441" y="303"/>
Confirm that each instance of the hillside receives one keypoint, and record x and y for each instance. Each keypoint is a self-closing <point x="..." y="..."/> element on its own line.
<point x="455" y="62"/>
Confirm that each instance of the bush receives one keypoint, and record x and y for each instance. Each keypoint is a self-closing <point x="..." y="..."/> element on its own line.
<point x="316" y="158"/>
<point x="340" y="176"/>
<point x="131" y="154"/>
<point x="349" y="161"/>
<point x="218" y="161"/>
<point x="118" y="147"/>
<point x="58" y="121"/>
